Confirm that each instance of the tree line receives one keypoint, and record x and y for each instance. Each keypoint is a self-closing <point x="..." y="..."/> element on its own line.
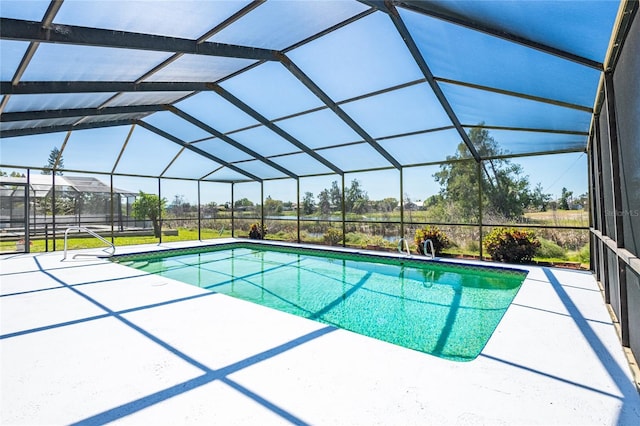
<point x="506" y="191"/>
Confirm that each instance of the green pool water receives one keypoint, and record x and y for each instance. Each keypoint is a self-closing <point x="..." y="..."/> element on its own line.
<point x="438" y="308"/>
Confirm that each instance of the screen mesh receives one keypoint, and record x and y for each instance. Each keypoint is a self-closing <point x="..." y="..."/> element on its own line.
<point x="614" y="285"/>
<point x="607" y="189"/>
<point x="633" y="299"/>
<point x="627" y="91"/>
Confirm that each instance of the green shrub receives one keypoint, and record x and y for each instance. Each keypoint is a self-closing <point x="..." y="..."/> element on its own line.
<point x="438" y="238"/>
<point x="585" y="254"/>
<point x="257" y="232"/>
<point x="550" y="250"/>
<point x="377" y="240"/>
<point x="511" y="245"/>
<point x="356" y="239"/>
<point x="333" y="236"/>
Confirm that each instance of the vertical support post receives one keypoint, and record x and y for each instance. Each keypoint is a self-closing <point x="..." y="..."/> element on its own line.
<point x="593" y="258"/>
<point x="480" y="220"/>
<point x="617" y="203"/>
<point x="262" y="208"/>
<point x="344" y="216"/>
<point x="624" y="302"/>
<point x="11" y="204"/>
<point x="54" y="170"/>
<point x="199" y="214"/>
<point x="27" y="210"/>
<point x="120" y="218"/>
<point x="160" y="208"/>
<point x="34" y="223"/>
<point x="233" y="222"/>
<point x="298" y="206"/>
<point x="614" y="158"/>
<point x="592" y="184"/>
<point x="53" y="207"/>
<point x="112" y="208"/>
<point x="401" y="202"/>
<point x="601" y="222"/>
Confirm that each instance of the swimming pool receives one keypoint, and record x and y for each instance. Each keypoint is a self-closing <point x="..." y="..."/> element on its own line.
<point x="439" y="308"/>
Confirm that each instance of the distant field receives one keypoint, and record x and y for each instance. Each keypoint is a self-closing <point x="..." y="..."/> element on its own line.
<point x="560" y="217"/>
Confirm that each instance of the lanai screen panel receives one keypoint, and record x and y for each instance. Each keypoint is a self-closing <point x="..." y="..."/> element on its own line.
<point x="280" y="24"/>
<point x="61" y="62"/>
<point x="145" y="98"/>
<point x="190" y="165"/>
<point x="424" y="147"/>
<point x="221" y="149"/>
<point x="260" y="169"/>
<point x="463" y="55"/>
<point x="305" y="87"/>
<point x="11" y="53"/>
<point x="521" y="142"/>
<point x="216" y="112"/>
<point x="27" y="124"/>
<point x="301" y="164"/>
<point x="475" y="106"/>
<point x="100" y="146"/>
<point x="30" y="151"/>
<point x="355" y="157"/>
<point x="199" y="68"/>
<point x="226" y="174"/>
<point x="573" y="26"/>
<point x="136" y="156"/>
<point x="55" y="101"/>
<point x="178" y="127"/>
<point x="184" y="19"/>
<point x="319" y="129"/>
<point x="17" y="9"/>
<point x="627" y="93"/>
<point x="363" y="57"/>
<point x="408" y="109"/>
<point x="264" y="141"/>
<point x="272" y="91"/>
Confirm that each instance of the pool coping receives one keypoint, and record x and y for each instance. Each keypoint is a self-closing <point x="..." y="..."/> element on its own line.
<point x="90" y="327"/>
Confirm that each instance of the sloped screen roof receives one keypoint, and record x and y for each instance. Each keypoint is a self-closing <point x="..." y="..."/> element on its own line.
<point x="254" y="90"/>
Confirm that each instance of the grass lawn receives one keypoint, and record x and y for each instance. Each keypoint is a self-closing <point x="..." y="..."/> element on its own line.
<point x="38" y="245"/>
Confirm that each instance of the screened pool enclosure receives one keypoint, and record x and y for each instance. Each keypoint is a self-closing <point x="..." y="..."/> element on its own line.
<point x="349" y="123"/>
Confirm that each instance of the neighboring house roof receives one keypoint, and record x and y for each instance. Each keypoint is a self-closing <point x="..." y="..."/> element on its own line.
<point x="42" y="184"/>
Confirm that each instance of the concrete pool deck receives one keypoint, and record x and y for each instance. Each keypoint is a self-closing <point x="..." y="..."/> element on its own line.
<point x="87" y="341"/>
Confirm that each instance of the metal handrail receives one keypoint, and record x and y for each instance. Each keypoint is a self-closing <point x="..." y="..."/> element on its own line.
<point x="82" y="228"/>
<point x="406" y="246"/>
<point x="431" y="274"/>
<point x="424" y="248"/>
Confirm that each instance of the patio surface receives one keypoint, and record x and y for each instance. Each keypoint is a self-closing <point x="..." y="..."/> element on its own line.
<point x="87" y="341"/>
